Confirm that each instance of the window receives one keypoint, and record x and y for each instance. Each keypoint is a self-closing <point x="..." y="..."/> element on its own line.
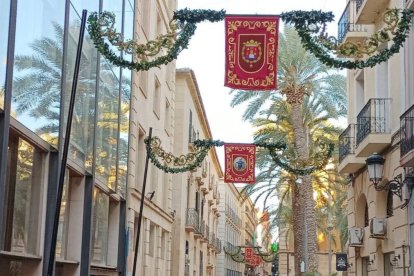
<point x="167" y="119"/>
<point x="37" y="72"/>
<point x="100" y="227"/>
<point x="145" y="17"/>
<point x="63" y="220"/>
<point x="187" y="247"/>
<point x="366" y="216"/>
<point x="153" y="187"/>
<point x="140" y="160"/>
<point x="190" y="128"/>
<point x="365" y="264"/>
<point x="24" y="179"/>
<point x="143" y="83"/>
<point x="157" y="98"/>
<point x="151" y="243"/>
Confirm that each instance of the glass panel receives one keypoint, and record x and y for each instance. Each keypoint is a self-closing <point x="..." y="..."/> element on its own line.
<point x="107" y="111"/>
<point x="100" y="227"/>
<point x="63" y="220"/>
<point x="4" y="29"/>
<point x="125" y="105"/>
<point x="84" y="113"/>
<point x="38" y="66"/>
<point x="24" y="178"/>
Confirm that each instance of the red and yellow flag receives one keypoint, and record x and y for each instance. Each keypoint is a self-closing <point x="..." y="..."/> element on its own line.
<point x="240" y="162"/>
<point x="251" y="52"/>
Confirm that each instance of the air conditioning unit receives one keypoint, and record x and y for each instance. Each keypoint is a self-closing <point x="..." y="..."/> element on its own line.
<point x="378" y="228"/>
<point x="356" y="234"/>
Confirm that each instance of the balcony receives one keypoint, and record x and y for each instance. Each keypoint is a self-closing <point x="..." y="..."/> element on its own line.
<point x="192" y="223"/>
<point x="211" y="240"/>
<point x="373" y="127"/>
<point x="217" y="245"/>
<point x="409" y="4"/>
<point x="407" y="138"/>
<point x="369" y="11"/>
<point x="348" y="162"/>
<point x="347" y="29"/>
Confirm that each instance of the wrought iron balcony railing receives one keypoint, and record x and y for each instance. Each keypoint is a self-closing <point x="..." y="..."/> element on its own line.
<point x="347" y="142"/>
<point x="407" y="131"/>
<point x="344" y="28"/>
<point x="373" y="118"/>
<point x="192" y="219"/>
<point x="217" y="245"/>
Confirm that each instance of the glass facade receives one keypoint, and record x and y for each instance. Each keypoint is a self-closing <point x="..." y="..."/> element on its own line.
<point x="37" y="70"/>
<point x="46" y="40"/>
<point x="23" y="194"/>
<point x="4" y="26"/>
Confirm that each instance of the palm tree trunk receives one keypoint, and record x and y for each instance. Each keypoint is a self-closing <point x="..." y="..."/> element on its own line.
<point x="304" y="211"/>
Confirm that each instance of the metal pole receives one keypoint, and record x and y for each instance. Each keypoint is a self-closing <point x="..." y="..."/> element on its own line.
<point x="141" y="207"/>
<point x="66" y="146"/>
<point x="330" y="227"/>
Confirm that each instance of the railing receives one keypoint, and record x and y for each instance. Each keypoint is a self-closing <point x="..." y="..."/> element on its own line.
<point x="217" y="245"/>
<point x="407" y="131"/>
<point x="373" y="118"/>
<point x="206" y="232"/>
<point x="347" y="142"/>
<point x="358" y="4"/>
<point x="344" y="28"/>
<point x="233" y="216"/>
<point x="192" y="219"/>
<point x="230" y="247"/>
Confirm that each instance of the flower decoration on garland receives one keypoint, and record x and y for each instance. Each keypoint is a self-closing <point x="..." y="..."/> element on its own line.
<point x="311" y="28"/>
<point x="169" y="163"/>
<point x="162" y="50"/>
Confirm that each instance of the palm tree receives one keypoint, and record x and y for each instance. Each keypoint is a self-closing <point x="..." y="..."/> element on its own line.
<point x="308" y="95"/>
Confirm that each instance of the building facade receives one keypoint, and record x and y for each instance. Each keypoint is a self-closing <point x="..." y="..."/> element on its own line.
<point x="152" y="106"/>
<point x="39" y="40"/>
<point x="196" y="196"/>
<point x="380" y="120"/>
<point x="230" y="229"/>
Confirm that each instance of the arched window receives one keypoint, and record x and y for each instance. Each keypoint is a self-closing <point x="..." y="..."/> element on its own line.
<point x="390" y="210"/>
<point x="366" y="220"/>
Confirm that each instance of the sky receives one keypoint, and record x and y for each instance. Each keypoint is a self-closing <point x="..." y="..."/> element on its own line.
<point x="205" y="56"/>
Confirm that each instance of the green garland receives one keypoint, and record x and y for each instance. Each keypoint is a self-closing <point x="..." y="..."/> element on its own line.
<point x="306" y="24"/>
<point x="185" y="21"/>
<point x="305" y="21"/>
<point x="184" y="163"/>
<point x="238" y="255"/>
<point x="320" y="161"/>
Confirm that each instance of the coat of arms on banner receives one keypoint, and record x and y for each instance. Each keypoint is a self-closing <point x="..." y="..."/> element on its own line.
<point x="240" y="162"/>
<point x="251" y="52"/>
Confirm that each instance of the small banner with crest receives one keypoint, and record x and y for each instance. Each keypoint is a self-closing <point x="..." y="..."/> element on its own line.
<point x="251" y="52"/>
<point x="240" y="163"/>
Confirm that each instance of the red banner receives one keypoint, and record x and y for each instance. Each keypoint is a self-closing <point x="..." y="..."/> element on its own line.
<point x="240" y="162"/>
<point x="251" y="52"/>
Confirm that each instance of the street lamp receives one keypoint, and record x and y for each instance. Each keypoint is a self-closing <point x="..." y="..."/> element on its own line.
<point x="375" y="164"/>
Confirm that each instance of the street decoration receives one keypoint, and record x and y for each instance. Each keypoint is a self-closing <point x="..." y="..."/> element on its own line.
<point x="311" y="28"/>
<point x="252" y="255"/>
<point x="170" y="163"/>
<point x="162" y="50"/>
<point x="251" y="52"/>
<point x="310" y="25"/>
<point x="240" y="163"/>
